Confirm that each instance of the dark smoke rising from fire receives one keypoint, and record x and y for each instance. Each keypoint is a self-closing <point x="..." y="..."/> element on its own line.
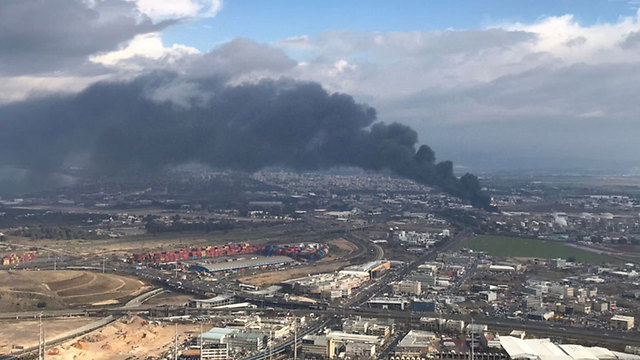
<point x="160" y="120"/>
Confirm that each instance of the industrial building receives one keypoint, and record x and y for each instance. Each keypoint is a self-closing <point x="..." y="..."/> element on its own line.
<point x="214" y="302"/>
<point x="543" y="349"/>
<point x="254" y="263"/>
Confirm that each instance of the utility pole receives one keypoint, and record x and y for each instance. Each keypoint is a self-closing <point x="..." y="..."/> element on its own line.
<point x="40" y="339"/>
<point x="295" y="338"/>
<point x="55" y="262"/>
<point x="104" y="259"/>
<point x="175" y="342"/>
<point x="473" y="329"/>
<point x="200" y="340"/>
<point x="44" y="342"/>
<point x="270" y="345"/>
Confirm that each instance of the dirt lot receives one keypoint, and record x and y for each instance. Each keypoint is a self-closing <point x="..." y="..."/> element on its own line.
<point x="25" y="333"/>
<point x="274" y="277"/>
<point x="343" y="245"/>
<point x="29" y="290"/>
<point x="129" y="338"/>
<point x="340" y="252"/>
<point x="169" y="299"/>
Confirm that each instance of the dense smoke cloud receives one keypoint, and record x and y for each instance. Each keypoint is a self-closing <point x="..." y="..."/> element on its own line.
<point x="162" y="119"/>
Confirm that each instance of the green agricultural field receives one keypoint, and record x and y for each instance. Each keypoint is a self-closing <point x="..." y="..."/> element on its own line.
<point x="504" y="246"/>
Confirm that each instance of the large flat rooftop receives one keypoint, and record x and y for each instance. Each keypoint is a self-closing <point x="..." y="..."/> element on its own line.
<point x="242" y="264"/>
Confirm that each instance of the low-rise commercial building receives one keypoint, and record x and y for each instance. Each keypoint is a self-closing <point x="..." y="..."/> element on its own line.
<point x="247" y="341"/>
<point x="621" y="322"/>
<point x="318" y="346"/>
<point x="423" y="305"/>
<point x="408" y="287"/>
<point x="214" y="351"/>
<point x="416" y="343"/>
<point x="360" y="350"/>
<point x="388" y="303"/>
<point x="328" y="286"/>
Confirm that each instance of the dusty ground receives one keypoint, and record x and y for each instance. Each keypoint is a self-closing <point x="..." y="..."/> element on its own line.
<point x="343" y="245"/>
<point x="129" y="338"/>
<point x="22" y="290"/>
<point x="274" y="277"/>
<point x="169" y="299"/>
<point x="25" y="333"/>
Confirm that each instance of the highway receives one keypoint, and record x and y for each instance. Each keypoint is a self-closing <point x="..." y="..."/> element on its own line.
<point x="366" y="251"/>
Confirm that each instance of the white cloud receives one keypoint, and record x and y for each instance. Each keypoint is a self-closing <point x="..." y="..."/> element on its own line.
<point x="302" y="42"/>
<point x="565" y="38"/>
<point x="163" y="9"/>
<point x="146" y="46"/>
<point x="555" y="90"/>
<point x="388" y="66"/>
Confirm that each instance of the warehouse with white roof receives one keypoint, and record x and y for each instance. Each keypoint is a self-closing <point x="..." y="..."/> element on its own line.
<point x="544" y="349"/>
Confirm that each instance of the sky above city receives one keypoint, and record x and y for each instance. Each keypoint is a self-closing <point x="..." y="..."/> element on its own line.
<point x="513" y="85"/>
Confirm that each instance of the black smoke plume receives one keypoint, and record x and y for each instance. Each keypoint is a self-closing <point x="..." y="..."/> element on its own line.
<point x="161" y="120"/>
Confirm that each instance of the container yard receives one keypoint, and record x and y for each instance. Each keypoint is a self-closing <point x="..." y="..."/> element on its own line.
<point x="198" y="253"/>
<point x="300" y="252"/>
<point x="14" y="259"/>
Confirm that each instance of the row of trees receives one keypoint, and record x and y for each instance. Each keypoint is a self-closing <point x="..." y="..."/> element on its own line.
<point x="155" y="227"/>
<point x="38" y="232"/>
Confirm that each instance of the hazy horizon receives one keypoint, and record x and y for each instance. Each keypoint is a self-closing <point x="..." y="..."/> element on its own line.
<point x="490" y="85"/>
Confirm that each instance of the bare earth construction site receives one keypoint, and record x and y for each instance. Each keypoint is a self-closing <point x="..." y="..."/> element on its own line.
<point x="28" y="290"/>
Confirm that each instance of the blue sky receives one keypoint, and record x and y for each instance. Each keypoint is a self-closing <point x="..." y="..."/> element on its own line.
<point x="494" y="87"/>
<point x="273" y="20"/>
<point x="516" y="83"/>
